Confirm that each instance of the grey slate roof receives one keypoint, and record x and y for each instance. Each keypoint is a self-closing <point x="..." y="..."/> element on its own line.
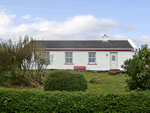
<point x="85" y="44"/>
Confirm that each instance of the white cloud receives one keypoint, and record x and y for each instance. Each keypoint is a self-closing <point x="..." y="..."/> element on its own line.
<point x="5" y="21"/>
<point x="38" y="18"/>
<point x="26" y="17"/>
<point x="75" y="28"/>
<point x="12" y="16"/>
<point x="20" y="28"/>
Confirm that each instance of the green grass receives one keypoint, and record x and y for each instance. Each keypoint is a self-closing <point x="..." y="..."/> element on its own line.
<point x="110" y="84"/>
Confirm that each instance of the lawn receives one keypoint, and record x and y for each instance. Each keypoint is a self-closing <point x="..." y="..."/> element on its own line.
<point x="110" y="84"/>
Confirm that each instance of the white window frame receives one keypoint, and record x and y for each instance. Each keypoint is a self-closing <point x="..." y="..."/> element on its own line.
<point x="92" y="58"/>
<point x="66" y="57"/>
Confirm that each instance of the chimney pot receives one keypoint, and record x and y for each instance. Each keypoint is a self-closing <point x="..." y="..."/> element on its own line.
<point x="104" y="34"/>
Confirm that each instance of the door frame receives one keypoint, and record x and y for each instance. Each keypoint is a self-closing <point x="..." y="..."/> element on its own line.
<point x="116" y="59"/>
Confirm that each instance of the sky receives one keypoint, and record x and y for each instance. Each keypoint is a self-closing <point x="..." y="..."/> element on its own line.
<point x="76" y="20"/>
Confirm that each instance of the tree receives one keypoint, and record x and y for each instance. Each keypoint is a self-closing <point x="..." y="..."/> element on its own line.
<point x="17" y="60"/>
<point x="138" y="69"/>
<point x="38" y="62"/>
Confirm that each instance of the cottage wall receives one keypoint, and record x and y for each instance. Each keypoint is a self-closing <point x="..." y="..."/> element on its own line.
<point x="80" y="58"/>
<point x="122" y="56"/>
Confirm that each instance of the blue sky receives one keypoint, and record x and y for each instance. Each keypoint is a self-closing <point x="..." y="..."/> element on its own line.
<point x="76" y="20"/>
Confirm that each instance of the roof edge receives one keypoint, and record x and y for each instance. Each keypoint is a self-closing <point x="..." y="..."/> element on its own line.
<point x="132" y="44"/>
<point x="76" y="40"/>
<point x="92" y="48"/>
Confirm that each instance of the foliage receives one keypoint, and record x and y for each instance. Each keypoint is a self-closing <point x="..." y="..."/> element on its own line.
<point x="138" y="69"/>
<point x="33" y="101"/>
<point x="18" y="59"/>
<point x="65" y="80"/>
<point x="112" y="73"/>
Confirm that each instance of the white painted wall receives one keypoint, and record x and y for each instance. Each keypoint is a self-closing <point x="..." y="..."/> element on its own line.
<point x="80" y="58"/>
<point x="122" y="56"/>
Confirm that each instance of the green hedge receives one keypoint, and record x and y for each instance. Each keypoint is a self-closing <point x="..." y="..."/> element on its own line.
<point x="13" y="100"/>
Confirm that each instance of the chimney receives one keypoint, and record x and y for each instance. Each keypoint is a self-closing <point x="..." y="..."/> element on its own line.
<point x="105" y="38"/>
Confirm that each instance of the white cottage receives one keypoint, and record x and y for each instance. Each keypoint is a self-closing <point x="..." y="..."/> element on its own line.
<point x="97" y="55"/>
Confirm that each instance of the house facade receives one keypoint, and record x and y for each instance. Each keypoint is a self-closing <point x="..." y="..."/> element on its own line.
<point x="95" y="55"/>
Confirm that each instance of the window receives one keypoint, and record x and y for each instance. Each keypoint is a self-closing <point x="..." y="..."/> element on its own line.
<point x="92" y="58"/>
<point x="68" y="57"/>
<point x="113" y="57"/>
<point x="47" y="58"/>
<point x="47" y="54"/>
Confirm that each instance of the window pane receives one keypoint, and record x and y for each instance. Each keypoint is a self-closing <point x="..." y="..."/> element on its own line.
<point x="94" y="60"/>
<point x="70" y="55"/>
<point x="89" y="54"/>
<point x="47" y="54"/>
<point x="66" y="54"/>
<point x="70" y="60"/>
<point x="93" y="54"/>
<point x="47" y="60"/>
<point x="67" y="60"/>
<point x="90" y="60"/>
<point x="113" y="57"/>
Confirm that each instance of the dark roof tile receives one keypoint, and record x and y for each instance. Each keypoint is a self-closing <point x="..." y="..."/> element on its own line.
<point x="86" y="44"/>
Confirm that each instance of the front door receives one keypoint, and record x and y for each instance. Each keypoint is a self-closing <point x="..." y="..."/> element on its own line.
<point x="113" y="60"/>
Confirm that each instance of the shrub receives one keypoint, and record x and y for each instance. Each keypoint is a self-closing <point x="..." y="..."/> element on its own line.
<point x="65" y="80"/>
<point x="18" y="77"/>
<point x="112" y="73"/>
<point x="138" y="69"/>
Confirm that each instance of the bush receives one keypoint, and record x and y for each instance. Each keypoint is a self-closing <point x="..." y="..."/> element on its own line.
<point x="112" y="73"/>
<point x="65" y="80"/>
<point x="138" y="69"/>
<point x="19" y="78"/>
